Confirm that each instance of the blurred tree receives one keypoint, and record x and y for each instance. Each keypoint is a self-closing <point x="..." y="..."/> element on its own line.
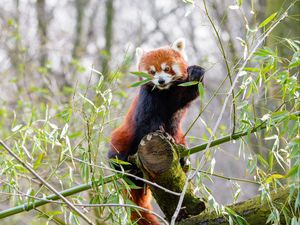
<point x="108" y="36"/>
<point x="225" y="27"/>
<point x="43" y="21"/>
<point x="80" y="6"/>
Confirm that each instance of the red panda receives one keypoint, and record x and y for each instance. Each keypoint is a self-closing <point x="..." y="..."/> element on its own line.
<point x="160" y="104"/>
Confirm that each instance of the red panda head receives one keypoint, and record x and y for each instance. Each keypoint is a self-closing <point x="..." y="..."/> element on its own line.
<point x="166" y="65"/>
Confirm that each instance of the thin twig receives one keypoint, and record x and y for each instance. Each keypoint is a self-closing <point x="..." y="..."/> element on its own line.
<point x="90" y="205"/>
<point x="31" y="170"/>
<point x="228" y="178"/>
<point x="127" y="174"/>
<point x="50" y="218"/>
<point x="207" y="104"/>
<point x="226" y="63"/>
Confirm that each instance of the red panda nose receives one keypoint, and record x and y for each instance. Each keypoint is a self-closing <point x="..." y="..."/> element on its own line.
<point x="161" y="81"/>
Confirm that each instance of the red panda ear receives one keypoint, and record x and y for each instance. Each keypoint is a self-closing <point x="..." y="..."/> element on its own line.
<point x="179" y="45"/>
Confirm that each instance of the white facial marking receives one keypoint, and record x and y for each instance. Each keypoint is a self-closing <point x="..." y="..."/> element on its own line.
<point x="162" y="76"/>
<point x="176" y="69"/>
<point x="153" y="68"/>
<point x="163" y="66"/>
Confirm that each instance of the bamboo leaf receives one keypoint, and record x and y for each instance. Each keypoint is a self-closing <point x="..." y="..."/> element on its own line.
<point x="239" y="2"/>
<point x="250" y="69"/>
<point x="201" y="90"/>
<point x="268" y="20"/>
<point x="274" y="176"/>
<point x="17" y="127"/>
<point x="293" y="171"/>
<point x="190" y="83"/>
<point x="119" y="162"/>
<point x="293" y="64"/>
<point x="140" y="83"/>
<point x="141" y="74"/>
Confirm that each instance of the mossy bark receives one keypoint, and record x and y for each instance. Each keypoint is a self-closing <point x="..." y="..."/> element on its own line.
<point x="158" y="158"/>
<point x="253" y="211"/>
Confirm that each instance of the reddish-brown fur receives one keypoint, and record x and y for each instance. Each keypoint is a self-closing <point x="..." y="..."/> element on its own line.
<point x="122" y="137"/>
<point x="143" y="198"/>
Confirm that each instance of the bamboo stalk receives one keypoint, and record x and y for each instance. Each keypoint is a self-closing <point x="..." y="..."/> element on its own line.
<point x="235" y="136"/>
<point x="65" y="193"/>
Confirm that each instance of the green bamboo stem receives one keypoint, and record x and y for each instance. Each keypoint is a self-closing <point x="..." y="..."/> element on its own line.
<point x="65" y="193"/>
<point x="221" y="140"/>
<point x="235" y="136"/>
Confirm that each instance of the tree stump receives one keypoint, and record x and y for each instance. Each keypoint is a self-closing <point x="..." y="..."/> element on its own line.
<point x="158" y="158"/>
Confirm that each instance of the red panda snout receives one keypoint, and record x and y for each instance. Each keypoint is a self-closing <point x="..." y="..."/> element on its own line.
<point x="162" y="80"/>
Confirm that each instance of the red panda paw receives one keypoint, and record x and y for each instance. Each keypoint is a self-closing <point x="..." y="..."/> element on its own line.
<point x="196" y="73"/>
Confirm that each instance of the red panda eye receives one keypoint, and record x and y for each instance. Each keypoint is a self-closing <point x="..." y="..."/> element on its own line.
<point x="152" y="72"/>
<point x="167" y="69"/>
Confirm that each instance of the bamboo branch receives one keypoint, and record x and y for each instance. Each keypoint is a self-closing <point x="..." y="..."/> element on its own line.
<point x="65" y="193"/>
<point x="235" y="136"/>
<point x="49" y="186"/>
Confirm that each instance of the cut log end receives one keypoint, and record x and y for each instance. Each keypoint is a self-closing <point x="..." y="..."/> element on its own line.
<point x="155" y="153"/>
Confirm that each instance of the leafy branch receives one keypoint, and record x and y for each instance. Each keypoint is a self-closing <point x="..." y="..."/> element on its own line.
<point x="108" y="179"/>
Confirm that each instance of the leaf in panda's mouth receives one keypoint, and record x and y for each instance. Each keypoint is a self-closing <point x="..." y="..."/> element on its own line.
<point x="140" y="83"/>
<point x="164" y="86"/>
<point x="190" y="83"/>
<point x="141" y="74"/>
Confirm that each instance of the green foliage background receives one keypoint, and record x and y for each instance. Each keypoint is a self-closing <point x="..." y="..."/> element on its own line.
<point x="63" y="133"/>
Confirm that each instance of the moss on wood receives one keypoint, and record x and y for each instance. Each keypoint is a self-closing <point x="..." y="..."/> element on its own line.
<point x="253" y="211"/>
<point x="158" y="158"/>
